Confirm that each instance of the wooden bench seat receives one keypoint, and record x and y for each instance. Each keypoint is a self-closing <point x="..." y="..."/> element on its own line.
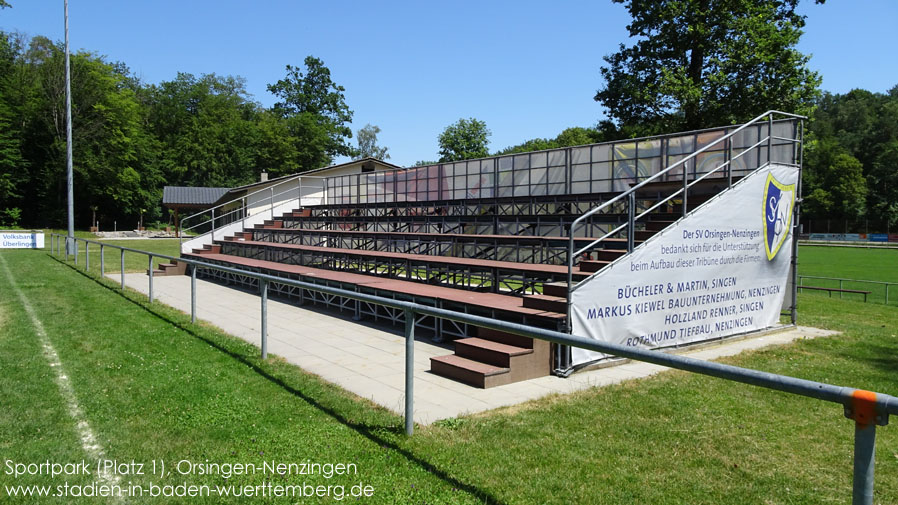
<point x="492" y="301"/>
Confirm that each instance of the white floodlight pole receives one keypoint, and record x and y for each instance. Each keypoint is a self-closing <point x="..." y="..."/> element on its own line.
<point x="70" y="241"/>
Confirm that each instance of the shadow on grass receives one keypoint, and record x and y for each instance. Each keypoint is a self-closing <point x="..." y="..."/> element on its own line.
<point x="372" y="432"/>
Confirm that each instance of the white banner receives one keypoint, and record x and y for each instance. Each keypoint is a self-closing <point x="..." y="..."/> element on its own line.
<point x="719" y="271"/>
<point x="21" y="240"/>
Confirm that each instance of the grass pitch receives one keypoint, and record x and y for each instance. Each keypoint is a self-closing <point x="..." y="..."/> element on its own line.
<point x="870" y="264"/>
<point x="155" y="387"/>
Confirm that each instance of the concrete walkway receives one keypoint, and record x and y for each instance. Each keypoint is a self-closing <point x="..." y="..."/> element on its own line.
<point x="370" y="360"/>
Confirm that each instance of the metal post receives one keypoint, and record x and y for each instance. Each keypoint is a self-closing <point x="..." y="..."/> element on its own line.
<point x="150" y="259"/>
<point x="264" y="284"/>
<point x="729" y="162"/>
<point x="76" y="251"/>
<point x="409" y="371"/>
<point x="102" y="261"/>
<point x="86" y="256"/>
<point x="271" y="201"/>
<point x="840" y="289"/>
<point x="631" y="220"/>
<point x="685" y="186"/>
<point x="299" y="202"/>
<point x="193" y="294"/>
<point x="213" y="224"/>
<point x="123" y="269"/>
<point x="243" y="223"/>
<point x="796" y="225"/>
<point x="864" y="462"/>
<point x="68" y="138"/>
<point x="769" y="137"/>
<point x="887" y="294"/>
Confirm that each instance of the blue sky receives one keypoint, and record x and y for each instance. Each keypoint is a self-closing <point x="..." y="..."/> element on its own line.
<point x="529" y="69"/>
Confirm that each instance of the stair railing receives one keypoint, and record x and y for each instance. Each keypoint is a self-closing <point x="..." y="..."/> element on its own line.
<point x="219" y="220"/>
<point x="630" y="195"/>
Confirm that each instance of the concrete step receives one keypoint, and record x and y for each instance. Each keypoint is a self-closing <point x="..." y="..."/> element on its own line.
<point x="526" y="365"/>
<point x="547" y="303"/>
<point x="175" y="268"/>
<point x="470" y="372"/>
<point x="657" y="224"/>
<point x="609" y="254"/>
<point x="555" y="289"/>
<point x="593" y="265"/>
<point x="644" y="235"/>
<point x="505" y="338"/>
<point x="209" y="249"/>
<point x="489" y="352"/>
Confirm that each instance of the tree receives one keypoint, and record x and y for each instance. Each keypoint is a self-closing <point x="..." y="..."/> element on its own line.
<point x="316" y="113"/>
<point x="865" y="125"/>
<point x="113" y="167"/>
<point x="574" y="136"/>
<point x="209" y="129"/>
<point x="13" y="170"/>
<point x="367" y="139"/>
<point x="702" y="63"/>
<point x="834" y="182"/>
<point x="463" y="140"/>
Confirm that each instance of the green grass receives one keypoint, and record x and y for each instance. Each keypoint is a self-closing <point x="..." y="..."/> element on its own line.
<point x="156" y="387"/>
<point x="112" y="256"/>
<point x="850" y="263"/>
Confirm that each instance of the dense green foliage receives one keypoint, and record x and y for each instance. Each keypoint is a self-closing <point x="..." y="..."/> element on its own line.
<point x="315" y="112"/>
<point x="574" y="136"/>
<point x="130" y="139"/>
<point x="703" y="63"/>
<point x="463" y="140"/>
<point x="852" y="157"/>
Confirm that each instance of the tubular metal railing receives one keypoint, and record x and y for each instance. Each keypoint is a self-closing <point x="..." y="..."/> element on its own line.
<point x="682" y="193"/>
<point x="240" y="213"/>
<point x="842" y="281"/>
<point x="866" y="408"/>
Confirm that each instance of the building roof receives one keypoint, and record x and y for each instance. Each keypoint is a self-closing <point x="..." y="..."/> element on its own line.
<point x="181" y="196"/>
<point x="314" y="172"/>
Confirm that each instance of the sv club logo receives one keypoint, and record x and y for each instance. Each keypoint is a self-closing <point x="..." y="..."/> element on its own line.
<point x="778" y="201"/>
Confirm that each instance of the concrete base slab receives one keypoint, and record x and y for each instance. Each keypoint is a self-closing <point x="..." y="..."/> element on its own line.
<point x="370" y="361"/>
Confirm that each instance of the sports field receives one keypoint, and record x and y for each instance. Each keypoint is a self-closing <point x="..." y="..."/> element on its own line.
<point x="150" y="387"/>
<point x="871" y="264"/>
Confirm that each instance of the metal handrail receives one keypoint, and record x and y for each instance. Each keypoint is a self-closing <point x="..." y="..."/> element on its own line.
<point x="243" y="199"/>
<point x="844" y="279"/>
<point x="629" y="194"/>
<point x="868" y="409"/>
<point x="841" y="280"/>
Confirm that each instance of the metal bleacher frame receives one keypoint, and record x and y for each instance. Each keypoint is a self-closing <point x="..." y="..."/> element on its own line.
<point x="469" y="209"/>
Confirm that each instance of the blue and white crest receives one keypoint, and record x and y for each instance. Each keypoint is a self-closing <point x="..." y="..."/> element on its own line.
<point x="778" y="201"/>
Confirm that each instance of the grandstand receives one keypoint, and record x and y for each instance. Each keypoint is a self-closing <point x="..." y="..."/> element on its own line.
<point x="490" y="236"/>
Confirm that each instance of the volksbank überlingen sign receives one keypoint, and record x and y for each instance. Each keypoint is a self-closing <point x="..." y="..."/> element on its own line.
<point x="21" y="240"/>
<point x="720" y="271"/>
